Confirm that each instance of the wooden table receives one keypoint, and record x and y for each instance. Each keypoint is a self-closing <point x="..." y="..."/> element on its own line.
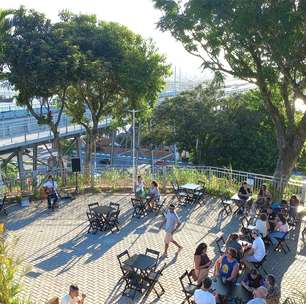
<point x="102" y="213"/>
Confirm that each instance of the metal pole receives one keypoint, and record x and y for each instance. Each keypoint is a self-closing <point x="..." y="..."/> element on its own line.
<point x="133" y="111"/>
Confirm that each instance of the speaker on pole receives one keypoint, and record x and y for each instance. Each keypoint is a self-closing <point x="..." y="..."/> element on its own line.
<point x="76" y="164"/>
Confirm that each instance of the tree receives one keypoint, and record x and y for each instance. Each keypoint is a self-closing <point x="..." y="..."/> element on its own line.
<point x="118" y="71"/>
<point x="219" y="131"/>
<point x="261" y="41"/>
<point x="40" y="65"/>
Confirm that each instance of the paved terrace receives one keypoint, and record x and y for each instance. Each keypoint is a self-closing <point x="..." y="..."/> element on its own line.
<point x="60" y="251"/>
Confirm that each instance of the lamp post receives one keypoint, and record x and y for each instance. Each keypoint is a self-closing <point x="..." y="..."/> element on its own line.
<point x="133" y="126"/>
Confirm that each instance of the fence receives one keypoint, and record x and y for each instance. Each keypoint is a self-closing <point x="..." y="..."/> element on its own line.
<point x="217" y="180"/>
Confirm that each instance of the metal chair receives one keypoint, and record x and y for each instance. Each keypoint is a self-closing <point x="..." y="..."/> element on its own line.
<point x="122" y="257"/>
<point x="187" y="287"/>
<point x="2" y="205"/>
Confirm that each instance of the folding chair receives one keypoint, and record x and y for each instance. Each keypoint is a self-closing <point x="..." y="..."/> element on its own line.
<point x="154" y="254"/>
<point x="220" y="245"/>
<point x="187" y="287"/>
<point x="153" y="279"/>
<point x="281" y="243"/>
<point x="139" y="207"/>
<point x="112" y="220"/>
<point x="134" y="282"/>
<point x="93" y="205"/>
<point x="2" y="205"/>
<point x="259" y="265"/>
<point x="226" y="206"/>
<point x="122" y="257"/>
<point x="180" y="194"/>
<point x="159" y="205"/>
<point x="93" y="222"/>
<point x="115" y="206"/>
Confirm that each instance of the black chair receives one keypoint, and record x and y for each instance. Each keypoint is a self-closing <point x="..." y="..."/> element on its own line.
<point x="259" y="265"/>
<point x="153" y="279"/>
<point x="2" y="205"/>
<point x="220" y="244"/>
<point x="187" y="287"/>
<point x="180" y="194"/>
<point x="93" y="205"/>
<point x="93" y="222"/>
<point x="155" y="254"/>
<point x="134" y="282"/>
<point x="122" y="257"/>
<point x="282" y="244"/>
<point x="244" y="222"/>
<point x="139" y="207"/>
<point x="115" y="206"/>
<point x="226" y="205"/>
<point x="112" y="220"/>
<point x="159" y="205"/>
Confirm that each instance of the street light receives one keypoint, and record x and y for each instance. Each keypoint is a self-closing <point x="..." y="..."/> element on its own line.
<point x="133" y="126"/>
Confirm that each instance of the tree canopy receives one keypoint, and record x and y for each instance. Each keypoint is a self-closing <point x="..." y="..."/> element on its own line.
<point x="261" y="41"/>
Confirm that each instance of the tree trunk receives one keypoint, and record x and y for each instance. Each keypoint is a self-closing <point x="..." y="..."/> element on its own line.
<point x="287" y="158"/>
<point x="90" y="145"/>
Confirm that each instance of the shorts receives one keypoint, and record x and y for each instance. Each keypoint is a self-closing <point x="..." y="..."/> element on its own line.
<point x="168" y="237"/>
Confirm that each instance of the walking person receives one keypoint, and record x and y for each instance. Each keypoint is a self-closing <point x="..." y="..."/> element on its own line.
<point x="172" y="223"/>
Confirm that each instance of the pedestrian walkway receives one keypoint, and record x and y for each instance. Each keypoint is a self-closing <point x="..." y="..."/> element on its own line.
<point x="59" y="250"/>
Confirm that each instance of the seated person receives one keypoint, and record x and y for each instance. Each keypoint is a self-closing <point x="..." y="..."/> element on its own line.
<point x="260" y="295"/>
<point x="232" y="242"/>
<point x="293" y="204"/>
<point x="201" y="263"/>
<point x="264" y="196"/>
<point x="73" y="296"/>
<point x="257" y="251"/>
<point x="50" y="187"/>
<point x="139" y="187"/>
<point x="244" y="192"/>
<point x="203" y="295"/>
<point x="253" y="280"/>
<point x="154" y="194"/>
<point x="274" y="293"/>
<point x="271" y="218"/>
<point x="227" y="266"/>
<point x="281" y="228"/>
<point x="262" y="225"/>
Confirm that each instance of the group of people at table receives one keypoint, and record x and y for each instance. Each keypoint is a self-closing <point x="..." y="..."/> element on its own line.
<point x="270" y="226"/>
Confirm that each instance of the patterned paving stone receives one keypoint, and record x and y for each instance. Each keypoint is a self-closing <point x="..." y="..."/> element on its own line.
<point x="59" y="250"/>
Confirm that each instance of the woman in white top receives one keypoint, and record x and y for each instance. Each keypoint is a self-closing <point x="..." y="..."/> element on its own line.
<point x="262" y="225"/>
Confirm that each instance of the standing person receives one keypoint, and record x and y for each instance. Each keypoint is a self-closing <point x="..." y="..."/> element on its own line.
<point x="172" y="223"/>
<point x="139" y="187"/>
<point x="73" y="296"/>
<point x="50" y="187"/>
<point x="203" y="295"/>
<point x="201" y="263"/>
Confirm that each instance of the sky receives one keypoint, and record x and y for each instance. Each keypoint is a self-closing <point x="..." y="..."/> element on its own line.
<point x="139" y="15"/>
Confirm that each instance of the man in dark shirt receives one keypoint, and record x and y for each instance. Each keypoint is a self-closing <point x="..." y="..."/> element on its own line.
<point x="271" y="218"/>
<point x="253" y="280"/>
<point x="244" y="192"/>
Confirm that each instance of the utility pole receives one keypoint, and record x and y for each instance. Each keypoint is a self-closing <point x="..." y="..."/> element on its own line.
<point x="133" y="126"/>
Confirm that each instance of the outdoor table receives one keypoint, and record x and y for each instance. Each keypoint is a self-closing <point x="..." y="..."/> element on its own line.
<point x="239" y="202"/>
<point x="191" y="190"/>
<point x="231" y="290"/>
<point x="101" y="213"/>
<point x="140" y="262"/>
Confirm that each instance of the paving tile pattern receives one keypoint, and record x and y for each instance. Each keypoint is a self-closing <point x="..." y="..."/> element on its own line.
<point x="59" y="251"/>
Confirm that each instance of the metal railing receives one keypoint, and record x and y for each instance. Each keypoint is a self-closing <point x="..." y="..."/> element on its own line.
<point x="218" y="179"/>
